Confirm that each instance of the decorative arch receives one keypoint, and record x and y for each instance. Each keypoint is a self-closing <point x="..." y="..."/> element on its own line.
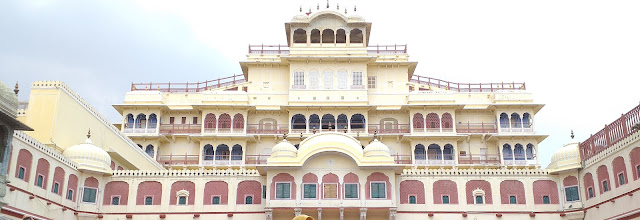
<point x="141" y="121"/>
<point x="177" y="186"/>
<point x="445" y="188"/>
<point x="526" y="120"/>
<point x="542" y="188"/>
<point x="507" y="153"/>
<point x="328" y="36"/>
<point x="433" y="122"/>
<point x="210" y="121"/>
<point x="378" y="177"/>
<point x="634" y="156"/>
<point x="72" y="187"/>
<point x="236" y="152"/>
<point x="357" y="121"/>
<point x="420" y="152"/>
<point x="153" y="121"/>
<point x="130" y="121"/>
<point x="570" y="181"/>
<point x="447" y="122"/>
<point x="224" y="123"/>
<point x="311" y="179"/>
<point x="222" y="152"/>
<point x="268" y="125"/>
<point x="342" y="122"/>
<point x="250" y="188"/>
<point x="330" y="178"/>
<point x="448" y="152"/>
<point x="328" y="122"/>
<point x="341" y="36"/>
<point x="58" y="178"/>
<point x="314" y="122"/>
<point x="315" y="36"/>
<point x="589" y="188"/>
<point x="23" y="165"/>
<point x="411" y="188"/>
<point x="504" y="120"/>
<point x="298" y="121"/>
<point x="216" y="188"/>
<point x="513" y="188"/>
<point x="434" y="152"/>
<point x="283" y="177"/>
<point x="518" y="152"/>
<point x="355" y="36"/>
<point x="603" y="175"/>
<point x="483" y="185"/>
<point x="300" y="36"/>
<point x="418" y="121"/>
<point x="516" y="121"/>
<point x="238" y="122"/>
<point x="149" y="150"/>
<point x="42" y="173"/>
<point x="207" y="152"/>
<point x="151" y="189"/>
<point x="118" y="189"/>
<point x="531" y="151"/>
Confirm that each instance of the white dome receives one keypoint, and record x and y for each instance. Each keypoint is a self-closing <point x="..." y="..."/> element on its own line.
<point x="284" y="149"/>
<point x="8" y="101"/>
<point x="376" y="148"/>
<point x="566" y="158"/>
<point x="89" y="157"/>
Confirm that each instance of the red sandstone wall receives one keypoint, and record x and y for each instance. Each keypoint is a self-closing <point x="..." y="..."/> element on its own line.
<point x="216" y="188"/>
<point x="182" y="185"/>
<point x="58" y="177"/>
<point x="544" y="188"/>
<point x="635" y="161"/>
<point x="479" y="184"/>
<point x="116" y="188"/>
<point x="588" y="182"/>
<point x="375" y="177"/>
<point x="72" y="185"/>
<point x="411" y="187"/>
<point x="351" y="178"/>
<point x="149" y="188"/>
<point x="570" y="181"/>
<point x="311" y="178"/>
<point x="24" y="160"/>
<point x="619" y="167"/>
<point x="603" y="174"/>
<point x="252" y="187"/>
<point x="42" y="169"/>
<point x="512" y="188"/>
<point x="281" y="177"/>
<point x="445" y="187"/>
<point x="331" y="178"/>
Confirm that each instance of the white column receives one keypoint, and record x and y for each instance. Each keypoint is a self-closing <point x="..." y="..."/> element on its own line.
<point x="363" y="213"/>
<point x="341" y="213"/>
<point x="268" y="214"/>
<point x="319" y="213"/>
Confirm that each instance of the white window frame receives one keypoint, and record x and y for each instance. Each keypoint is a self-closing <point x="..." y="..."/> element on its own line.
<point x="314" y="80"/>
<point x="344" y="191"/>
<point x="343" y="79"/>
<point x="442" y="198"/>
<point x="298" y="79"/>
<point x="373" y="79"/>
<point x="244" y="202"/>
<point x="95" y="200"/>
<point x="115" y="196"/>
<point x="326" y="83"/>
<point x="409" y="199"/>
<point x="53" y="187"/>
<point x="43" y="180"/>
<point x="219" y="199"/>
<point x="276" y="190"/>
<point x="304" y="184"/>
<point x="621" y="181"/>
<point x="371" y="189"/>
<point x="182" y="193"/>
<point x="481" y="193"/>
<point x="355" y="76"/>
<point x="337" y="191"/>
<point x="145" y="199"/>
<point x="577" y="190"/>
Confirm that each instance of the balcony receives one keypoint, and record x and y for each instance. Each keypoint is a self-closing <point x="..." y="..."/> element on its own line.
<point x="432" y="130"/>
<point x="139" y="128"/>
<point x="172" y="160"/>
<point x="518" y="130"/>
<point x="402" y="158"/>
<point x="477" y="128"/>
<point x="223" y="130"/>
<point x="256" y="159"/>
<point x="520" y="159"/>
<point x="479" y="159"/>
<point x="466" y="87"/>
<point x="267" y="129"/>
<point x="180" y="128"/>
<point x="189" y="87"/>
<point x="445" y="159"/>
<point x="389" y="128"/>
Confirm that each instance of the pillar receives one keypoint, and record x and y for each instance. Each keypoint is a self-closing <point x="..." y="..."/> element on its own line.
<point x="392" y="213"/>
<point x="341" y="213"/>
<point x="297" y="211"/>
<point x="319" y="213"/>
<point x="363" y="213"/>
<point x="268" y="214"/>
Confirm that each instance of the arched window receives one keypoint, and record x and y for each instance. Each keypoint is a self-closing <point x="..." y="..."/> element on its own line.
<point x="236" y="152"/>
<point x="526" y="120"/>
<point x="314" y="79"/>
<point x="433" y="122"/>
<point x="141" y="121"/>
<point x="327" y="79"/>
<point x="222" y="152"/>
<point x="341" y="36"/>
<point x="153" y="121"/>
<point x="328" y="36"/>
<point x="342" y="79"/>
<point x="357" y="121"/>
<point x="314" y="122"/>
<point x="448" y="152"/>
<point x="315" y="36"/>
<point x="149" y="150"/>
<point x="130" y="121"/>
<point x="268" y="125"/>
<point x="518" y="151"/>
<point x="207" y="152"/>
<point x="328" y="122"/>
<point x="504" y="120"/>
<point x="418" y="121"/>
<point x="420" y="152"/>
<point x="299" y="36"/>
<point x="224" y="123"/>
<point x="531" y="152"/>
<point x="434" y="152"/>
<point x="298" y="121"/>
<point x="356" y="36"/>
<point x="447" y="121"/>
<point x="248" y="200"/>
<point x="210" y="121"/>
<point x="516" y="122"/>
<point x="507" y="153"/>
<point x="238" y="122"/>
<point x="342" y="122"/>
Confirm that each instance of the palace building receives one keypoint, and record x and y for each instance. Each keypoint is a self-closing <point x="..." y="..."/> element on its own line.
<point x="327" y="126"/>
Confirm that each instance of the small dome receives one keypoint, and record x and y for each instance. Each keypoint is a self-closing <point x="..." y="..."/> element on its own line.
<point x="284" y="149"/>
<point x="89" y="157"/>
<point x="376" y="148"/>
<point x="566" y="158"/>
<point x="8" y="101"/>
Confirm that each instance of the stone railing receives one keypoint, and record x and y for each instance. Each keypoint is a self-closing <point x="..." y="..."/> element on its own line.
<point x="480" y="172"/>
<point x="614" y="148"/>
<point x="187" y="173"/>
<point x="44" y="149"/>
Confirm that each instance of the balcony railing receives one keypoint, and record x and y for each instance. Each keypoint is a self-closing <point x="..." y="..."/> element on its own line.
<point x="387" y="49"/>
<point x="189" y="87"/>
<point x="268" y="49"/>
<point x="479" y="159"/>
<point x="445" y="159"/>
<point x="256" y="159"/>
<point x="477" y="128"/>
<point x="178" y="159"/>
<point x="223" y="130"/>
<point x="467" y="87"/>
<point x="180" y="128"/>
<point x="389" y="128"/>
<point x="431" y="130"/>
<point x="267" y="129"/>
<point x="139" y="128"/>
<point x="522" y="129"/>
<point x="402" y="158"/>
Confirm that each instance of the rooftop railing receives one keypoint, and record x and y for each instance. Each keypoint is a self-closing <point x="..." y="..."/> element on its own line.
<point x="467" y="87"/>
<point x="261" y="49"/>
<point x="611" y="134"/>
<point x="180" y="128"/>
<point x="189" y="87"/>
<point x="479" y="159"/>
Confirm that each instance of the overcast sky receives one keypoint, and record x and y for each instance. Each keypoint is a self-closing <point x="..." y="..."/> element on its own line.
<point x="580" y="58"/>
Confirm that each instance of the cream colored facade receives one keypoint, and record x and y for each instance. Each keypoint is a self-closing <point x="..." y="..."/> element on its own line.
<point x="327" y="126"/>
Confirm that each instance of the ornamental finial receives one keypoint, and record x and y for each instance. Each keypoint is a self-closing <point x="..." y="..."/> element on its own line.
<point x="338" y="6"/>
<point x="354" y="8"/>
<point x="572" y="136"/>
<point x="327" y="3"/>
<point x="318" y="7"/>
<point x="89" y="133"/>
<point x="16" y="90"/>
<point x="375" y="135"/>
<point x="345" y="10"/>
<point x="300" y="8"/>
<point x="284" y="136"/>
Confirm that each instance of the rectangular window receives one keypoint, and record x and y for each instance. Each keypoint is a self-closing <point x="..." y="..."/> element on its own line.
<point x="309" y="191"/>
<point x="350" y="191"/>
<point x="512" y="200"/>
<point x="21" y="171"/>
<point x="264" y="191"/>
<point x="184" y="120"/>
<point x="371" y="82"/>
<point x="445" y="199"/>
<point x="283" y="190"/>
<point x="342" y="80"/>
<point x="40" y="181"/>
<point x="148" y="200"/>
<point x="572" y="193"/>
<point x="215" y="200"/>
<point x="248" y="200"/>
<point x="479" y="200"/>
<point x="621" y="178"/>
<point x="89" y="195"/>
<point x="545" y="200"/>
<point x="195" y="120"/>
<point x="314" y="80"/>
<point x="172" y="120"/>
<point x="330" y="191"/>
<point x="70" y="194"/>
<point x="298" y="78"/>
<point x="357" y="78"/>
<point x="115" y="200"/>
<point x="378" y="191"/>
<point x="605" y="186"/>
<point x="182" y="200"/>
<point x="327" y="80"/>
<point x="56" y="187"/>
<point x="590" y="192"/>
<point x="412" y="199"/>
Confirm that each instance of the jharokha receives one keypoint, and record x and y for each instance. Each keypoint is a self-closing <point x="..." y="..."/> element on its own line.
<point x="327" y="126"/>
